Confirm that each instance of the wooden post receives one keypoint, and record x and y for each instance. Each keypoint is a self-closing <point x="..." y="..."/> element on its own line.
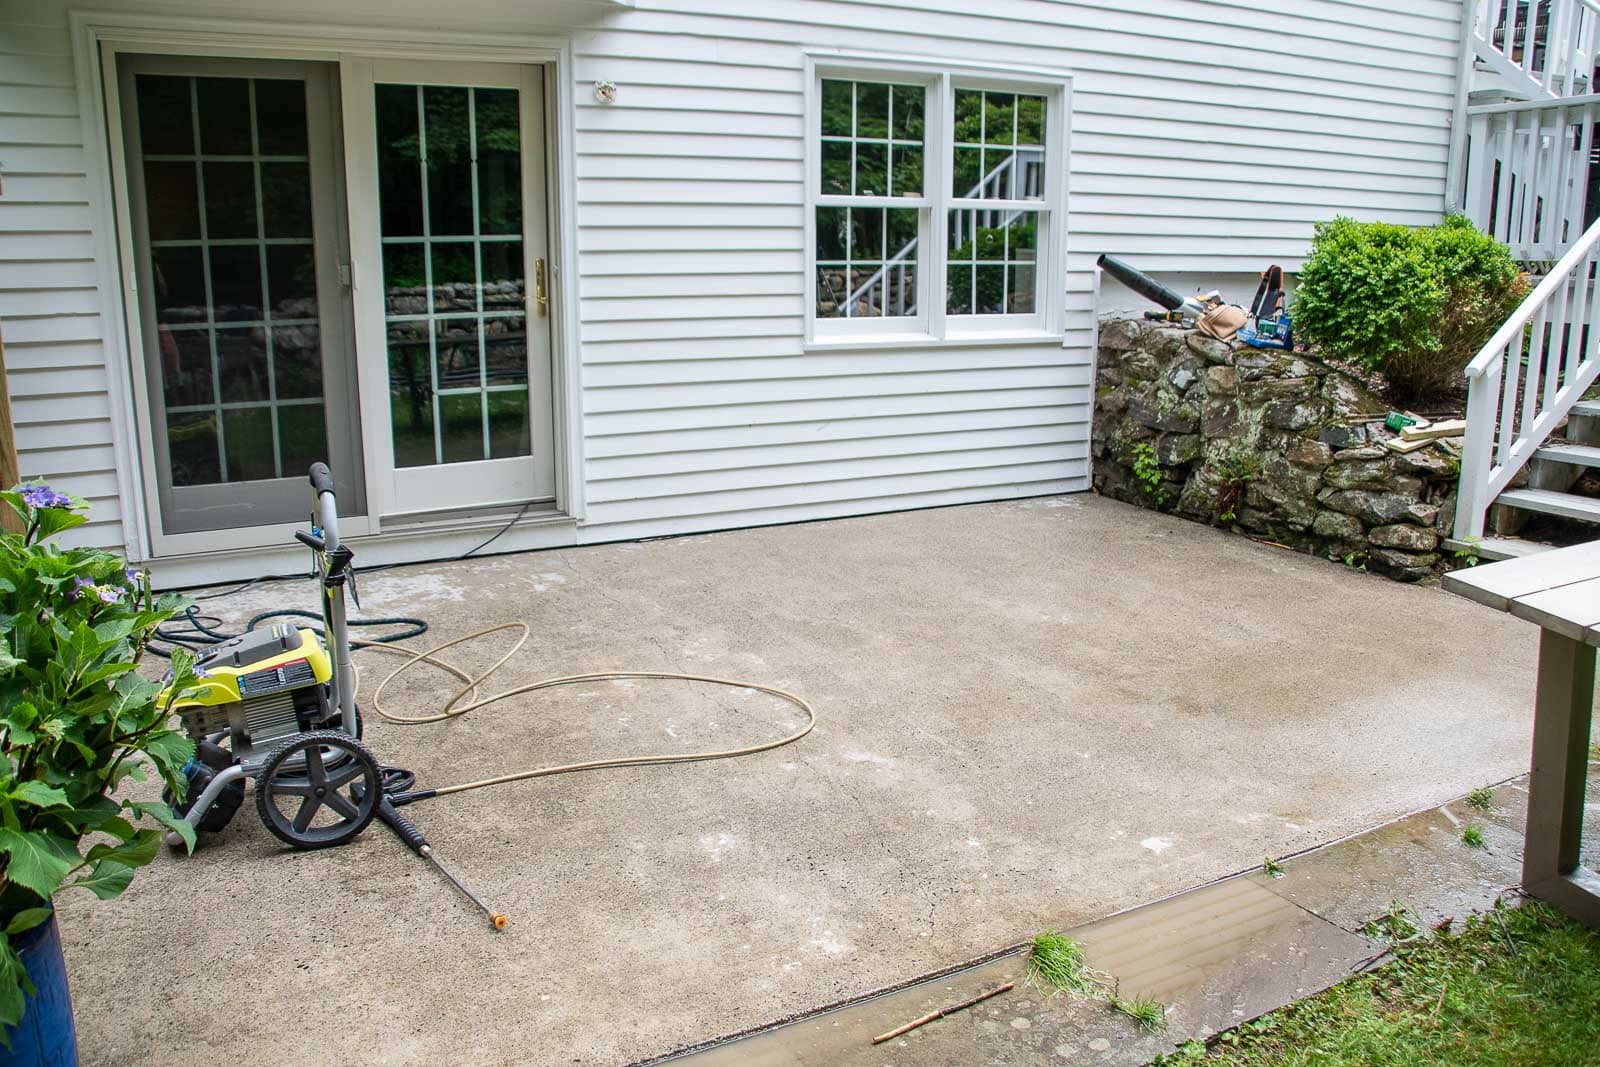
<point x="10" y="473"/>
<point x="1562" y="713"/>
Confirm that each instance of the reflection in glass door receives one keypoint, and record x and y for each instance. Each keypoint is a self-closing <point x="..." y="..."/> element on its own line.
<point x="462" y="226"/>
<point x="244" y="321"/>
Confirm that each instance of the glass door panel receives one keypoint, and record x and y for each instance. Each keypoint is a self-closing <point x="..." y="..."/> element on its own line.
<point x="249" y="380"/>
<point x="462" y="230"/>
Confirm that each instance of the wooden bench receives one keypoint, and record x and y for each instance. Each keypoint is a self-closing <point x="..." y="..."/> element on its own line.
<point x="1560" y="591"/>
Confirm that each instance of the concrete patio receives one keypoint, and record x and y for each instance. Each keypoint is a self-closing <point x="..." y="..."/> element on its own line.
<point x="1032" y="714"/>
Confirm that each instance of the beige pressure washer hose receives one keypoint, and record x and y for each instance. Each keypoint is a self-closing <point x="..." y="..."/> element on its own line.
<point x="469" y="689"/>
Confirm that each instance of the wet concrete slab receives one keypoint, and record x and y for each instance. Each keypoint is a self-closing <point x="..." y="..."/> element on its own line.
<point x="1223" y="954"/>
<point x="1213" y="957"/>
<point x="1216" y="956"/>
<point x="1422" y="862"/>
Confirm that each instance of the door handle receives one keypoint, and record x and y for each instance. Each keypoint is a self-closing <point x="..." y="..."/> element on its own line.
<point x="541" y="296"/>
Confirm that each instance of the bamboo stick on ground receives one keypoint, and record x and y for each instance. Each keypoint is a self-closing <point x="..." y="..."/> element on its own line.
<point x="942" y="1012"/>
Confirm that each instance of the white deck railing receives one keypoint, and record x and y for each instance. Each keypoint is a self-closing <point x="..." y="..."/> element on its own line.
<point x="1540" y="46"/>
<point x="1527" y="172"/>
<point x="1525" y="380"/>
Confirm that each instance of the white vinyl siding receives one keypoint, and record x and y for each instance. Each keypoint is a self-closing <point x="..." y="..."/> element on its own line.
<point x="1207" y="138"/>
<point x="49" y="300"/>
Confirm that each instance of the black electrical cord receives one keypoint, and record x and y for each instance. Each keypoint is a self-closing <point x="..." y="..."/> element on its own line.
<point x="468" y="554"/>
<point x="194" y="630"/>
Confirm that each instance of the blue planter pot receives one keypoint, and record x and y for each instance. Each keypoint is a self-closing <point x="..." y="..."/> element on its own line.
<point x="46" y="1037"/>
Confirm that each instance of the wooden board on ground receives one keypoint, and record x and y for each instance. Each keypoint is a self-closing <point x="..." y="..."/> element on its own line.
<point x="1445" y="428"/>
<point x="1399" y="445"/>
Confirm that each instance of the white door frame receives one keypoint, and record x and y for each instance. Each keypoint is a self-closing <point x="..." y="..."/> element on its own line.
<point x="98" y="36"/>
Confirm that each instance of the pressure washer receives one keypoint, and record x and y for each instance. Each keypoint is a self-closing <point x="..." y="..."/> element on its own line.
<point x="276" y="707"/>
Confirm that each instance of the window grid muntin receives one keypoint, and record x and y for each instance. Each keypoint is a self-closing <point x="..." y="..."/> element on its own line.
<point x="1013" y="150"/>
<point x="1007" y="264"/>
<point x="903" y="262"/>
<point x="890" y="142"/>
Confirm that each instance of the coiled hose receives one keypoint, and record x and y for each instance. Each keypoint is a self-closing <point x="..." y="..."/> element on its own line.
<point x="397" y="782"/>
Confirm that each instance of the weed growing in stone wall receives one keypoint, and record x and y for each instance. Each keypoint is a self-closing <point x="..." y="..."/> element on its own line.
<point x="1147" y="470"/>
<point x="1234" y="472"/>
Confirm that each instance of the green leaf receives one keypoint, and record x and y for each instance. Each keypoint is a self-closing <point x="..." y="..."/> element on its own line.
<point x="171" y="750"/>
<point x="115" y="629"/>
<point x="168" y="818"/>
<point x="26" y="920"/>
<point x="14" y="985"/>
<point x="39" y="795"/>
<point x="39" y="861"/>
<point x="106" y="879"/>
<point x="54" y="520"/>
<point x="135" y="853"/>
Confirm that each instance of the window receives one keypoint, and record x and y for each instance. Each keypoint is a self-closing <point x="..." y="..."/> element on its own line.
<point x="872" y="166"/>
<point x="998" y="161"/>
<point x="934" y="208"/>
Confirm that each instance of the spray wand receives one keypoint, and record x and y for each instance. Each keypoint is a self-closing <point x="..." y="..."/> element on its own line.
<point x="414" y="840"/>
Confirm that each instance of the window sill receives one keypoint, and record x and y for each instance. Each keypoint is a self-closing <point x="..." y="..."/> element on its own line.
<point x="971" y="339"/>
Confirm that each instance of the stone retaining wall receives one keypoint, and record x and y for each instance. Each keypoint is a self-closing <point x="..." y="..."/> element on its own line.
<point x="1274" y="444"/>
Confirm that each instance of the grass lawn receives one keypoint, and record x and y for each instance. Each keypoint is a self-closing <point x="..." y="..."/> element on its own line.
<point x="1518" y="986"/>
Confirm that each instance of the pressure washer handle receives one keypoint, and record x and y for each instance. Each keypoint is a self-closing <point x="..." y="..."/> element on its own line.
<point x="402" y="828"/>
<point x="321" y="478"/>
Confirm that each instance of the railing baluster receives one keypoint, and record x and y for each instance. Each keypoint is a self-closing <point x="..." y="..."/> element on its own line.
<point x="1527" y="220"/>
<point x="1553" y="353"/>
<point x="1530" y="39"/>
<point x="1556" y="201"/>
<point x="1502" y="215"/>
<point x="1508" y="399"/>
<point x="1592" y="340"/>
<point x="1533" y="372"/>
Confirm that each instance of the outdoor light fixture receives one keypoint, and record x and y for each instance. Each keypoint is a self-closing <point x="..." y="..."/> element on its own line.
<point x="605" y="92"/>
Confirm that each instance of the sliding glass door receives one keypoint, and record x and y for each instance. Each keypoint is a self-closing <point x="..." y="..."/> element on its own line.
<point x="240" y="253"/>
<point x="342" y="261"/>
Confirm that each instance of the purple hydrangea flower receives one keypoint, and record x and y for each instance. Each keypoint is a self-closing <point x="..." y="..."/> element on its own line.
<point x="133" y="576"/>
<point x="78" y="586"/>
<point x="109" y="594"/>
<point x="42" y="496"/>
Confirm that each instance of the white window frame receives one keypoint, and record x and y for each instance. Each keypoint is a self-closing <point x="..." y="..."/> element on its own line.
<point x="931" y="326"/>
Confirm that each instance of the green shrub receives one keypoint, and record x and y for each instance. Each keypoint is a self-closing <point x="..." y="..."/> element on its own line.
<point x="75" y="721"/>
<point x="1412" y="304"/>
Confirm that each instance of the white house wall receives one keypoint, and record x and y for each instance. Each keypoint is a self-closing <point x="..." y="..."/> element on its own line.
<point x="1208" y="137"/>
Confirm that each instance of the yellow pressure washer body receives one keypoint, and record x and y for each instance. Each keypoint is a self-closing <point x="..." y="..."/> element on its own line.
<point x="259" y="687"/>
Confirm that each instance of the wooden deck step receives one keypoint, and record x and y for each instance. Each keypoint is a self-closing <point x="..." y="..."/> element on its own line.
<point x="1562" y="452"/>
<point x="1586" y="407"/>
<point x="1493" y="548"/>
<point x="1550" y="502"/>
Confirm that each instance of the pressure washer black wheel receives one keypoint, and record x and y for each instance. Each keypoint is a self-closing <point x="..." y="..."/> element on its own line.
<point x="319" y="790"/>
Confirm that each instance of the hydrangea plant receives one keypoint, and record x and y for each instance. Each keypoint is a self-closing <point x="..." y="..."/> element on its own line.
<point x="76" y="720"/>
